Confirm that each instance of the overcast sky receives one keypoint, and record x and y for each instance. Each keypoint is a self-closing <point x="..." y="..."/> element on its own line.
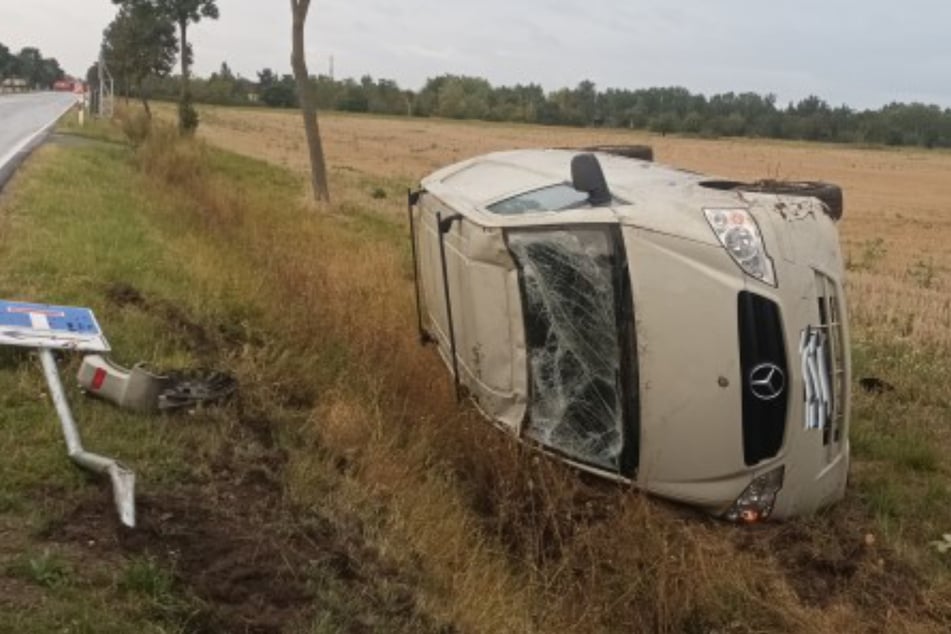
<point x="864" y="53"/>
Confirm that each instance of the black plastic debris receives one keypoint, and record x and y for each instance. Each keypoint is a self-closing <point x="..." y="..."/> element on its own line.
<point x="186" y="391"/>
<point x="874" y="385"/>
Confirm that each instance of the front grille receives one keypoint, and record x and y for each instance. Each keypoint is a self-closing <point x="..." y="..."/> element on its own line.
<point x="825" y="377"/>
<point x="765" y="377"/>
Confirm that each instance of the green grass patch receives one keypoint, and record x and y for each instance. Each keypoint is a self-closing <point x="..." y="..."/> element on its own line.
<point x="76" y="221"/>
<point x="44" y="568"/>
<point x="904" y="449"/>
<point x="93" y="128"/>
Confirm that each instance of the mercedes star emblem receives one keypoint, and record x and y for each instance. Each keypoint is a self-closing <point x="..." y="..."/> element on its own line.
<point x="767" y="381"/>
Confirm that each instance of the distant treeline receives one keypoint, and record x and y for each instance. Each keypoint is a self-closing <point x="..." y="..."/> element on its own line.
<point x="29" y="65"/>
<point x="663" y="110"/>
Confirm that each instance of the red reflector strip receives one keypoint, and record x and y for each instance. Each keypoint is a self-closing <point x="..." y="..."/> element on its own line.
<point x="98" y="378"/>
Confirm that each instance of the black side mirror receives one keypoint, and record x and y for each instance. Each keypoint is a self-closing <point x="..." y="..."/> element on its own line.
<point x="587" y="176"/>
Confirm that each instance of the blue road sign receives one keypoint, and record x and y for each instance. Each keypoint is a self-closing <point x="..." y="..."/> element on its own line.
<point x="45" y="326"/>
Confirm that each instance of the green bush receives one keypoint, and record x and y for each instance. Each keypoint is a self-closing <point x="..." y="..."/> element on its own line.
<point x="187" y="116"/>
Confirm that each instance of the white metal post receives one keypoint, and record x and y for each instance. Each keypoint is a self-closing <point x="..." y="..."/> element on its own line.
<point x="123" y="479"/>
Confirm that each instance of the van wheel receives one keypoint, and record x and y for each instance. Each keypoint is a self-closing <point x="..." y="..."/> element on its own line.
<point x="830" y="195"/>
<point x="642" y="152"/>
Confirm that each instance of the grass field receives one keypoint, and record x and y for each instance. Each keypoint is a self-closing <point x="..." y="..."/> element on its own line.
<point x="344" y="490"/>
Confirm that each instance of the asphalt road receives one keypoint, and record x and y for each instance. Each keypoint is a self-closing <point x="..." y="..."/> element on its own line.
<point x="23" y="121"/>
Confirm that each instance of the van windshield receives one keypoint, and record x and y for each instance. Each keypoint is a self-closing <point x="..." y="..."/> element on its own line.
<point x="582" y="353"/>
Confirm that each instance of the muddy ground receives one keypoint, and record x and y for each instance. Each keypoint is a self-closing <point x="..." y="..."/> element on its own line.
<point x="253" y="563"/>
<point x="848" y="565"/>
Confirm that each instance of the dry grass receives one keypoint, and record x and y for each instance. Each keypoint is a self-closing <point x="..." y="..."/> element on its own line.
<point x="510" y="542"/>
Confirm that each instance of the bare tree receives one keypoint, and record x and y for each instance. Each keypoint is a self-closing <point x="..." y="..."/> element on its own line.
<point x="308" y="103"/>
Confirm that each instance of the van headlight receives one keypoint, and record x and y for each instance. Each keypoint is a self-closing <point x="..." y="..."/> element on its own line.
<point x="756" y="502"/>
<point x="738" y="233"/>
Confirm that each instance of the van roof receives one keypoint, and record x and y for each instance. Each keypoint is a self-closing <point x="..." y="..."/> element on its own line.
<point x="486" y="179"/>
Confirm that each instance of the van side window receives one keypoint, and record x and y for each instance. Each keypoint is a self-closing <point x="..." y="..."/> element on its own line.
<point x="558" y="197"/>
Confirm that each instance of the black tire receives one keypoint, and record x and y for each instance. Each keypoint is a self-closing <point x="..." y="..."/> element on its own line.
<point x="641" y="152"/>
<point x="830" y="195"/>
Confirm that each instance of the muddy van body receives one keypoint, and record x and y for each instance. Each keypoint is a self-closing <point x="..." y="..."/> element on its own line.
<point x="643" y="323"/>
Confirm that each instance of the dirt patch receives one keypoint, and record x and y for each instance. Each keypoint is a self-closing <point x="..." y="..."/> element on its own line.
<point x="90" y="523"/>
<point x="202" y="343"/>
<point x="254" y="564"/>
<point x="250" y="576"/>
<point x="18" y="594"/>
<point x="836" y="557"/>
<point x="537" y="508"/>
<point x="14" y="593"/>
<point x="122" y="294"/>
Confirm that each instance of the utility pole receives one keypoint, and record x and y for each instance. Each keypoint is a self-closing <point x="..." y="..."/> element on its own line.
<point x="106" y="93"/>
<point x="331" y="68"/>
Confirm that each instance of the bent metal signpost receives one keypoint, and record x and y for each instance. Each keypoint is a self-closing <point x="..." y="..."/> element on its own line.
<point x="46" y="328"/>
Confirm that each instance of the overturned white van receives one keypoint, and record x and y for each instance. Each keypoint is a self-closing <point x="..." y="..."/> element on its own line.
<point x="644" y="323"/>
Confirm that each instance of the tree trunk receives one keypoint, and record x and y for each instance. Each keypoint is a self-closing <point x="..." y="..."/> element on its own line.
<point x="145" y="103"/>
<point x="318" y="168"/>
<point x="184" y="104"/>
<point x="183" y="29"/>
